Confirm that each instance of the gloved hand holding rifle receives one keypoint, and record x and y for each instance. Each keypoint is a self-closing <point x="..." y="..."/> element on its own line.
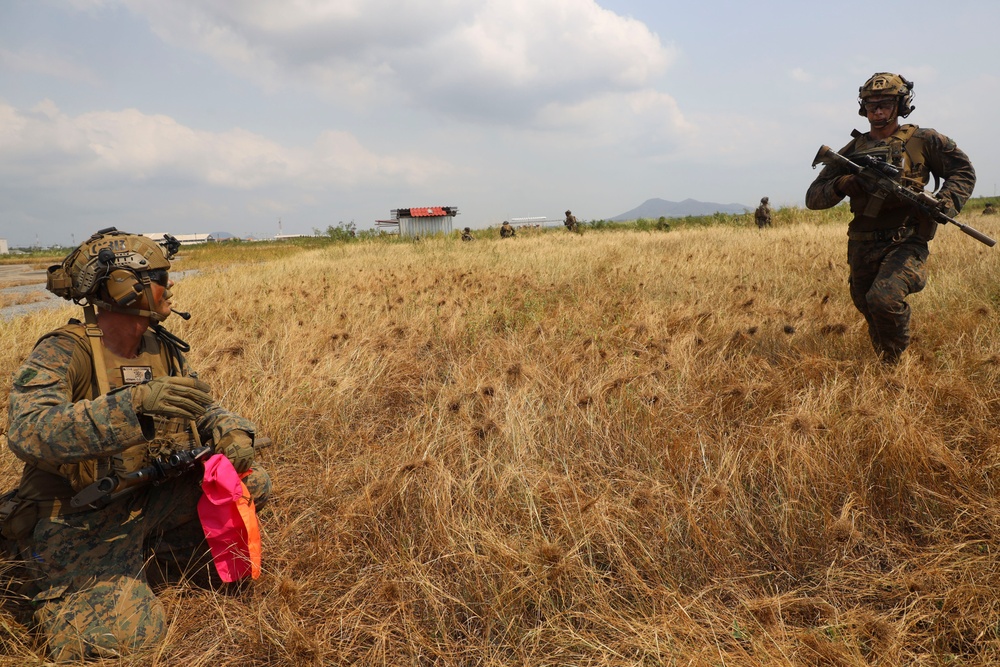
<point x="870" y="174"/>
<point x="162" y="469"/>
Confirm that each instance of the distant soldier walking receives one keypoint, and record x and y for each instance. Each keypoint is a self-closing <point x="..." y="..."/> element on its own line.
<point x="571" y="223"/>
<point x="506" y="230"/>
<point x="763" y="214"/>
<point x="887" y="238"/>
<point x="467" y="234"/>
<point x="989" y="209"/>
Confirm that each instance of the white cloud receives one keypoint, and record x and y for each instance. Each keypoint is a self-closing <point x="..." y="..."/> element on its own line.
<point x="647" y="120"/>
<point x="129" y="146"/>
<point x="471" y="58"/>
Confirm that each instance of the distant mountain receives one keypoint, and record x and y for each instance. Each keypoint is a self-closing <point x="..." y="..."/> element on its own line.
<point x="654" y="208"/>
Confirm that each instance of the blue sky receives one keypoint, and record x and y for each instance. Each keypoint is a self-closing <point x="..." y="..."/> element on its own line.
<point x="212" y="115"/>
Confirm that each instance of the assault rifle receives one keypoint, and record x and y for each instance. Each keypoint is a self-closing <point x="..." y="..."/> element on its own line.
<point x="886" y="178"/>
<point x="162" y="469"/>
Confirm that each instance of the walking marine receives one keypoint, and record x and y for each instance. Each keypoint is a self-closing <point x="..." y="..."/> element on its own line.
<point x="506" y="230"/>
<point x="888" y="236"/>
<point x="571" y="223"/>
<point x="93" y="410"/>
<point x="762" y="216"/>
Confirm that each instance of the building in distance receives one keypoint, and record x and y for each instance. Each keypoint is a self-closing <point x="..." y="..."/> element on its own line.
<point x="419" y="221"/>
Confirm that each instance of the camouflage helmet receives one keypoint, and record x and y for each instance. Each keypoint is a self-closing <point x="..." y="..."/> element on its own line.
<point x="763" y="200"/>
<point x="119" y="261"/>
<point x="887" y="84"/>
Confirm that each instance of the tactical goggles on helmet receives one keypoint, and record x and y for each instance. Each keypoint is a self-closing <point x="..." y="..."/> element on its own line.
<point x="887" y="84"/>
<point x="159" y="276"/>
<point x="886" y="103"/>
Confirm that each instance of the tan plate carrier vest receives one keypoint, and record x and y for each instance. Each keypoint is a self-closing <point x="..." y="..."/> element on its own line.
<point x="109" y="372"/>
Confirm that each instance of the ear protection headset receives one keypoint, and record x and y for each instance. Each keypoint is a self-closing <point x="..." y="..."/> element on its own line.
<point x="887" y="83"/>
<point x="123" y="287"/>
<point x="113" y="270"/>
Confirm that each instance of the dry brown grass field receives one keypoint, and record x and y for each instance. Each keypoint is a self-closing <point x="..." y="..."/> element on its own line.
<point x="22" y="298"/>
<point x="620" y="448"/>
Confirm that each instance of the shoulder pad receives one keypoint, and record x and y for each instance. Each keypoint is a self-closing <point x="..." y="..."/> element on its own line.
<point x="73" y="329"/>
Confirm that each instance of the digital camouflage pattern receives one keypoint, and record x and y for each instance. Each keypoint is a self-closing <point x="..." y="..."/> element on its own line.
<point x="882" y="275"/>
<point x="762" y="216"/>
<point x="93" y="598"/>
<point x="571" y="222"/>
<point x="883" y="272"/>
<point x="925" y="153"/>
<point x="84" y="570"/>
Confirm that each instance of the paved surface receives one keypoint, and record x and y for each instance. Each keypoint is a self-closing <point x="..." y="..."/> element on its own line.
<point x="18" y="273"/>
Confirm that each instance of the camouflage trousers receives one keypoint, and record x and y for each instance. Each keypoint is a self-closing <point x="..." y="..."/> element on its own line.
<point x="87" y="570"/>
<point x="883" y="274"/>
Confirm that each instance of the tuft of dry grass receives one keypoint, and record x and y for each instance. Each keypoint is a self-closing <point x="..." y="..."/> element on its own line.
<point x="16" y="299"/>
<point x="620" y="448"/>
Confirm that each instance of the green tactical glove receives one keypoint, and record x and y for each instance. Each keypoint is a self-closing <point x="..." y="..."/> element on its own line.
<point x="183" y="397"/>
<point x="238" y="448"/>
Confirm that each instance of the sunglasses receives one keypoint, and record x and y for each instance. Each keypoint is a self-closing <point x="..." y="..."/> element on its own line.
<point x="159" y="276"/>
<point x="888" y="105"/>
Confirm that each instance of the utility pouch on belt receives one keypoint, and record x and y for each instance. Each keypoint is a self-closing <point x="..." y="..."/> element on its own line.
<point x="17" y="516"/>
<point x="874" y="205"/>
<point x="926" y="228"/>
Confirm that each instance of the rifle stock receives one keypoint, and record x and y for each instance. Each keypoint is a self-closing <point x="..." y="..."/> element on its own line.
<point x="884" y="174"/>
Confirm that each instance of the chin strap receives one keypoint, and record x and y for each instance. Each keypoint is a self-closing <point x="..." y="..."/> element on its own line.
<point x="114" y="308"/>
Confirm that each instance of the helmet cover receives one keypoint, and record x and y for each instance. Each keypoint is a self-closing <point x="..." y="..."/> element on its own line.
<point x="889" y="85"/>
<point x="84" y="270"/>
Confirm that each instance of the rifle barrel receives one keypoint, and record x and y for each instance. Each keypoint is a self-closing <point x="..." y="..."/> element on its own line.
<point x="974" y="233"/>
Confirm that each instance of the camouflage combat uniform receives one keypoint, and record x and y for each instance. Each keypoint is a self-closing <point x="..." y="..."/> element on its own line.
<point x="84" y="568"/>
<point x="762" y="216"/>
<point x="571" y="222"/>
<point x="506" y="231"/>
<point x="887" y="248"/>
